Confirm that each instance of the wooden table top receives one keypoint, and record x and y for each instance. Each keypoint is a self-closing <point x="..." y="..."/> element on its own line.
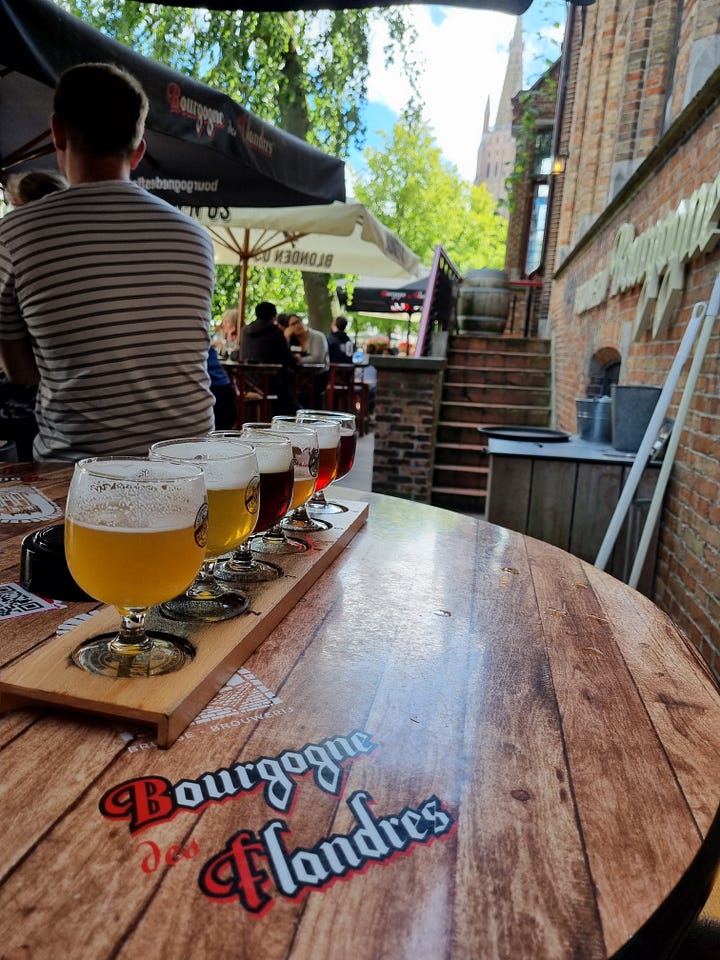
<point x="461" y="743"/>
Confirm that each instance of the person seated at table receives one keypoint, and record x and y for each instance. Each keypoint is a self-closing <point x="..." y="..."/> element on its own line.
<point x="367" y="374"/>
<point x="17" y="400"/>
<point x="313" y="353"/>
<point x="313" y="344"/>
<point x="225" y="410"/>
<point x="339" y="343"/>
<point x="263" y="341"/>
<point x="23" y="188"/>
<point x="226" y="337"/>
<point x="115" y="331"/>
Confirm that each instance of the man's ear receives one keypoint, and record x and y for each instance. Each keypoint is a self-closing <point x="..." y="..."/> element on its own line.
<point x="58" y="133"/>
<point x="137" y="154"/>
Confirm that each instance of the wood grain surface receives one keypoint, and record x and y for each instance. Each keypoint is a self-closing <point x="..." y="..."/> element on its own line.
<point x="460" y="743"/>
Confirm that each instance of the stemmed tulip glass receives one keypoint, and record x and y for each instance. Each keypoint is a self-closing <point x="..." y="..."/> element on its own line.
<point x="306" y="457"/>
<point x="232" y="480"/>
<point x="135" y="534"/>
<point x="318" y="505"/>
<point x="274" y="454"/>
<point x="328" y="436"/>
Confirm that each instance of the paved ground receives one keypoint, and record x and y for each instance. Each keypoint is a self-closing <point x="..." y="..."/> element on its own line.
<point x="360" y="477"/>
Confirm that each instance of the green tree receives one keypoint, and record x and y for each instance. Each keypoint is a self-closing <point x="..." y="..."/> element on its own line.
<point x="423" y="198"/>
<point x="305" y="71"/>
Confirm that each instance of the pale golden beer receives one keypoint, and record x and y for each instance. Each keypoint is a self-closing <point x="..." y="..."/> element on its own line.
<point x="140" y="568"/>
<point x="229" y="521"/>
<point x="230" y="468"/>
<point x="135" y="534"/>
<point x="303" y="489"/>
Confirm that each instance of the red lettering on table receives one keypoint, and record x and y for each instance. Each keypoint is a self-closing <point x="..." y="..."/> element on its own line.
<point x="143" y="802"/>
<point x="233" y="875"/>
<point x="173" y="855"/>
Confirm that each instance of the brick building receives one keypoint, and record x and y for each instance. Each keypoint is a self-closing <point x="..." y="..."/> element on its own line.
<point x="637" y="213"/>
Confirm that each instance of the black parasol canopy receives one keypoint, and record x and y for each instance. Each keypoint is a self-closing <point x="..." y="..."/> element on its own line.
<point x="513" y="7"/>
<point x="203" y="149"/>
<point x="387" y="297"/>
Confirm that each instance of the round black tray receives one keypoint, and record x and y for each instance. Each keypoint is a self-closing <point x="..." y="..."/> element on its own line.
<point x="537" y="434"/>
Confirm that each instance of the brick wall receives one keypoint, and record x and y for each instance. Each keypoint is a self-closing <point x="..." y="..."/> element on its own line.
<point x="407" y="404"/>
<point x="625" y="92"/>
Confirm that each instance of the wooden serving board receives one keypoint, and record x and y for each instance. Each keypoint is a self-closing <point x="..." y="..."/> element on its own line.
<point x="168" y="703"/>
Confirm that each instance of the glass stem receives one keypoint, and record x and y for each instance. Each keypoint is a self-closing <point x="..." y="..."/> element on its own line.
<point x="204" y="586"/>
<point x="131" y="635"/>
<point x="274" y="534"/>
<point x="242" y="558"/>
<point x="318" y="498"/>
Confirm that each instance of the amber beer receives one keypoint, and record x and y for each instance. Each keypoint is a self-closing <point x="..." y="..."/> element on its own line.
<point x="131" y="568"/>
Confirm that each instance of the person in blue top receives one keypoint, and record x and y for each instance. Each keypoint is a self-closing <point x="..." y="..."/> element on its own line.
<point x="226" y="407"/>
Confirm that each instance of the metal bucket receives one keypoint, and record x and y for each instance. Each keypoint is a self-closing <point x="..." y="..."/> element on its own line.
<point x="593" y="419"/>
<point x="632" y="408"/>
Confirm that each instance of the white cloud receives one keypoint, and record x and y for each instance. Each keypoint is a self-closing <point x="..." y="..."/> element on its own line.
<point x="465" y="58"/>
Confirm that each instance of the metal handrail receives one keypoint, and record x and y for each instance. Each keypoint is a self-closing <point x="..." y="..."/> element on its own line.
<point x="438" y="312"/>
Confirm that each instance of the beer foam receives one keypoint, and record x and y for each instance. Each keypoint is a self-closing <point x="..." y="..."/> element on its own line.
<point x="273" y="457"/>
<point x="151" y="523"/>
<point x="224" y="462"/>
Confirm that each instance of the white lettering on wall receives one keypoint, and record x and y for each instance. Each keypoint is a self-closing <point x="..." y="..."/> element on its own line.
<point x="656" y="258"/>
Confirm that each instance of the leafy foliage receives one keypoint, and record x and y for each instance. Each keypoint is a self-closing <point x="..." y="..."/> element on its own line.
<point x="425" y="201"/>
<point x="305" y="71"/>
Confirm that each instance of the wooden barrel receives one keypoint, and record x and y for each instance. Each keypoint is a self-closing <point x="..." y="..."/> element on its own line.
<point x="483" y="301"/>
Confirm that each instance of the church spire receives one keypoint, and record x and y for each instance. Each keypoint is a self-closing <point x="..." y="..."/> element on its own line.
<point x="513" y="79"/>
<point x="496" y="155"/>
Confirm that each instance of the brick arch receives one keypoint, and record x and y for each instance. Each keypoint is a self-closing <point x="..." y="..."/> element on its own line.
<point x="606" y="355"/>
<point x="604" y="370"/>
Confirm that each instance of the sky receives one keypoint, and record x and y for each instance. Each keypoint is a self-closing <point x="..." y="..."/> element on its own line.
<point x="465" y="54"/>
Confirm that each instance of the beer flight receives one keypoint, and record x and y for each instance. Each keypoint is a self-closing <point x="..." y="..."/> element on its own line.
<point x="184" y="527"/>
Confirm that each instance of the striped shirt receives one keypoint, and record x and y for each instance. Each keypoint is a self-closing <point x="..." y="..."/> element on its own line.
<point x="113" y="286"/>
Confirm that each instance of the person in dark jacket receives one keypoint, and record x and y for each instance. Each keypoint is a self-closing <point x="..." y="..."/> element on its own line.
<point x="339" y="343"/>
<point x="263" y="341"/>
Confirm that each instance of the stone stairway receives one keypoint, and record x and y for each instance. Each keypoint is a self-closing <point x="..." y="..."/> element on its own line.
<point x="489" y="380"/>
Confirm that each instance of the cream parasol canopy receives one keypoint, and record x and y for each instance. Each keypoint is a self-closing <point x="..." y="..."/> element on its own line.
<point x="337" y="238"/>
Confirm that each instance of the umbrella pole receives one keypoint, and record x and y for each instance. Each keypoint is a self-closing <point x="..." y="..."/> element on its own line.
<point x="243" y="284"/>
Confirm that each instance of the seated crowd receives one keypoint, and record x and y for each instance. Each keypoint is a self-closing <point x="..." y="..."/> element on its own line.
<point x="104" y="342"/>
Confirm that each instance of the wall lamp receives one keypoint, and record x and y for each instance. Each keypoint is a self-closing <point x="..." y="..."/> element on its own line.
<point x="558" y="164"/>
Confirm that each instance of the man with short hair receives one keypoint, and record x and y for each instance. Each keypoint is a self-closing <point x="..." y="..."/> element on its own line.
<point x="339" y="343"/>
<point x="105" y="290"/>
<point x="263" y="341"/>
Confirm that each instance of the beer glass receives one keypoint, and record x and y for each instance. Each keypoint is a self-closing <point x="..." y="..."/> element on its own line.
<point x="328" y="436"/>
<point x="232" y="481"/>
<point x="275" y="542"/>
<point x="274" y="454"/>
<point x="135" y="534"/>
<point x="318" y="505"/>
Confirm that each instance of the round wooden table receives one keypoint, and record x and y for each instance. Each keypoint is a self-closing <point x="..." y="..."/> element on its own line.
<point x="460" y="743"/>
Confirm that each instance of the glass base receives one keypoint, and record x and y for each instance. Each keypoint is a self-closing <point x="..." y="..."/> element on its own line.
<point x="323" y="509"/>
<point x="304" y="524"/>
<point x="106" y="656"/>
<point x="247" y="571"/>
<point x="279" y="546"/>
<point x="209" y="610"/>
